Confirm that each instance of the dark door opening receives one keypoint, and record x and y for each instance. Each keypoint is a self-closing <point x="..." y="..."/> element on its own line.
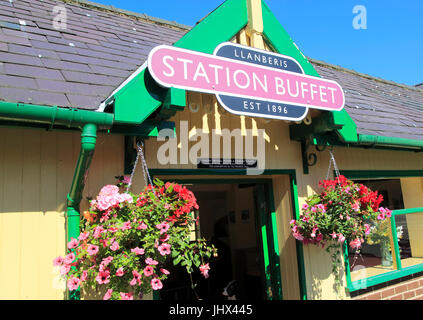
<point x="231" y="217"/>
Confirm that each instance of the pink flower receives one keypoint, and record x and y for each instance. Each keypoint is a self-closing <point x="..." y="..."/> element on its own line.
<point x="69" y="258"/>
<point x="298" y="236"/>
<point x="84" y="275"/>
<point x="73" y="243"/>
<point x="98" y="231"/>
<point x="156" y="284"/>
<point x="304" y="207"/>
<point x="164" y="226"/>
<point x="114" y="246"/>
<point x="126" y="296"/>
<point x="341" y="238"/>
<point x="164" y="271"/>
<point x="142" y="226"/>
<point x="107" y="260"/>
<point x="64" y="269"/>
<point x="109" y="190"/>
<point x="292" y="221"/>
<point x="148" y="271"/>
<point x="164" y="249"/>
<point x="165" y="238"/>
<point x="367" y="229"/>
<point x="126" y="225"/>
<point x="73" y="283"/>
<point x="120" y="272"/>
<point x="57" y="262"/>
<point x="113" y="229"/>
<point x="355" y="244"/>
<point x="108" y="294"/>
<point x="356" y="206"/>
<point x="333" y="235"/>
<point x="381" y="216"/>
<point x="103" y="277"/>
<point x="137" y="278"/>
<point x="126" y="179"/>
<point x="138" y="251"/>
<point x="204" y="269"/>
<point x="321" y="207"/>
<point x="84" y="236"/>
<point x="151" y="261"/>
<point x="92" y="249"/>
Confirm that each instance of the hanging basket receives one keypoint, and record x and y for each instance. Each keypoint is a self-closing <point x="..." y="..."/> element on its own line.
<point x="343" y="212"/>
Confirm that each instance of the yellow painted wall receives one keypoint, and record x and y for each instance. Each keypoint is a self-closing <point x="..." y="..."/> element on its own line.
<point x="412" y="190"/>
<point x="36" y="170"/>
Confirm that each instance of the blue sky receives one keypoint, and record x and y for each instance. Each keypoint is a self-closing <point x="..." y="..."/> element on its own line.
<point x="390" y="48"/>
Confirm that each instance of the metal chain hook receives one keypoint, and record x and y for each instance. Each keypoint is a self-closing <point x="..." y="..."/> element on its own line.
<point x="140" y="154"/>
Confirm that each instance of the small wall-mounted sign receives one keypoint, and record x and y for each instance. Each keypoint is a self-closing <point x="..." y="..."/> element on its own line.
<point x="246" y="81"/>
<point x="227" y="164"/>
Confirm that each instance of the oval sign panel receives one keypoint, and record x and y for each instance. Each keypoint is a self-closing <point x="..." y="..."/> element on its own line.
<point x="246" y="81"/>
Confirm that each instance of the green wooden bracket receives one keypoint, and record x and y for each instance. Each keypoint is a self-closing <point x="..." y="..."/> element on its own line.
<point x="321" y="124"/>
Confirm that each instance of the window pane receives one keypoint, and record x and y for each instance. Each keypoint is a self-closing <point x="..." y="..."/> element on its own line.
<point x="375" y="256"/>
<point x="410" y="240"/>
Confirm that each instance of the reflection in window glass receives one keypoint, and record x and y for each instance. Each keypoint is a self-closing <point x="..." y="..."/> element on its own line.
<point x="375" y="256"/>
<point x="410" y="241"/>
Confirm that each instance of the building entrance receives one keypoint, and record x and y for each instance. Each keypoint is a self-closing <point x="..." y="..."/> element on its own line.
<point x="231" y="218"/>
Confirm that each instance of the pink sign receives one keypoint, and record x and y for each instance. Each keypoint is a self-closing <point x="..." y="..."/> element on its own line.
<point x="195" y="71"/>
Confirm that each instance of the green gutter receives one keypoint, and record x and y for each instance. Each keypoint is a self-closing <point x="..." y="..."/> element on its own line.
<point x="389" y="141"/>
<point x="68" y="117"/>
<point x="88" y="141"/>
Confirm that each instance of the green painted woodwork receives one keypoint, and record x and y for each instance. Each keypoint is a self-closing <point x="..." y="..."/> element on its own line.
<point x="140" y="97"/>
<point x="396" y="245"/>
<point x="276" y="36"/>
<point x="219" y="26"/>
<point x="261" y="223"/>
<point x="272" y="226"/>
<point x="325" y="122"/>
<point x="53" y="116"/>
<point x="389" y="141"/>
<point x="381" y="174"/>
<point x="400" y="272"/>
<point x="299" y="245"/>
<point x="348" y="130"/>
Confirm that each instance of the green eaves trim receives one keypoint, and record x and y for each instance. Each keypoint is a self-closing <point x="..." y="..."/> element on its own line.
<point x="140" y="97"/>
<point x="364" y="139"/>
<point x="219" y="26"/>
<point x="280" y="40"/>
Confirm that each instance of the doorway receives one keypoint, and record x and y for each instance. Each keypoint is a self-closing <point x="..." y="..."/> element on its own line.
<point x="234" y="216"/>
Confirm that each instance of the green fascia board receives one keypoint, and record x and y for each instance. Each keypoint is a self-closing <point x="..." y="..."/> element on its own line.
<point x="140" y="97"/>
<point x="134" y="102"/>
<point x="220" y="25"/>
<point x="348" y="131"/>
<point x="280" y="41"/>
